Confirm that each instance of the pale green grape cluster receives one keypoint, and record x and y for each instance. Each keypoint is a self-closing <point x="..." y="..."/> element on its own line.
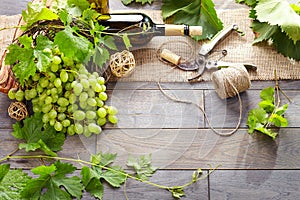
<point x="71" y="98"/>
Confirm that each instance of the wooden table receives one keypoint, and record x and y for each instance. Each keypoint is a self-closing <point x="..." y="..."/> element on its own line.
<point x="180" y="140"/>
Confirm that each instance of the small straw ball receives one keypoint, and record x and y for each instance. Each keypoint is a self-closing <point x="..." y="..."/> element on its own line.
<point x="17" y="110"/>
<point x="122" y="63"/>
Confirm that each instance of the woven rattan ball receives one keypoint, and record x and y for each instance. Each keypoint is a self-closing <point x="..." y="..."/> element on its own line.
<point x="17" y="111"/>
<point x="122" y="63"/>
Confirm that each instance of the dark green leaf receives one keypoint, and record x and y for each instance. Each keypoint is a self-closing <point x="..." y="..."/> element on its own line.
<point x="91" y="182"/>
<point x="194" y="12"/>
<point x="267" y="131"/>
<point x="196" y="175"/>
<point x="53" y="183"/>
<point x="126" y="41"/>
<point x="267" y="106"/>
<point x="37" y="136"/>
<point x="12" y="182"/>
<point x="76" y="7"/>
<point x="103" y="159"/>
<point x="36" y="12"/>
<point x="247" y="2"/>
<point x="267" y="94"/>
<point x="177" y="192"/>
<point x="281" y="110"/>
<point x="114" y="176"/>
<point x="264" y="31"/>
<point x="76" y="47"/>
<point x="278" y="120"/>
<point x="43" y="58"/>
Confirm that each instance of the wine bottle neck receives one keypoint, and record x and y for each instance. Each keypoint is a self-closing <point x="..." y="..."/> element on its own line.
<point x="176" y="30"/>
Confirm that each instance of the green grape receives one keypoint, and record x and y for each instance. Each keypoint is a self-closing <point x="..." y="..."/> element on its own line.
<point x="67" y="94"/>
<point x="46" y="108"/>
<point x="73" y="84"/>
<point x="66" y="123"/>
<point x="11" y="94"/>
<point x="95" y="74"/>
<point x="93" y="82"/>
<point x="90" y="114"/>
<point x="61" y="116"/>
<point x="26" y="95"/>
<point x="78" y="88"/>
<point x="85" y="83"/>
<point x="86" y="132"/>
<point x="83" y="104"/>
<point x="57" y="82"/>
<point x="78" y="128"/>
<point x="113" y="119"/>
<point x="103" y="96"/>
<point x="64" y="76"/>
<point x="112" y="110"/>
<point x="91" y="93"/>
<point x="68" y="87"/>
<point x="54" y="67"/>
<point x="72" y="98"/>
<point x="54" y="98"/>
<point x="44" y="82"/>
<point x="48" y="100"/>
<point x="48" y="92"/>
<point x="100" y="103"/>
<point x="67" y="61"/>
<point x="53" y="91"/>
<point x="92" y="102"/>
<point x="70" y="130"/>
<point x="79" y="115"/>
<point x="56" y="50"/>
<point x="52" y="114"/>
<point x="47" y="50"/>
<point x="101" y="80"/>
<point x="94" y="128"/>
<point x="72" y="108"/>
<point x="32" y="93"/>
<point x="56" y="60"/>
<point x="62" y="102"/>
<point x="19" y="95"/>
<point x="101" y="121"/>
<point x="101" y="112"/>
<point x="97" y="88"/>
<point x="71" y="78"/>
<point x="36" y="108"/>
<point x="58" y="126"/>
<point x="52" y="122"/>
<point x="83" y="70"/>
<point x="42" y="97"/>
<point x="45" y="118"/>
<point x="62" y="109"/>
<point x="103" y="88"/>
<point x="39" y="89"/>
<point x="83" y="97"/>
<point x="60" y="90"/>
<point x="51" y="76"/>
<point x="83" y="77"/>
<point x="36" y="77"/>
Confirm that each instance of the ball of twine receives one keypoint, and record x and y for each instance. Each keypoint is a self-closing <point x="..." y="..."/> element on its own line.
<point x="230" y="81"/>
<point x="17" y="111"/>
<point x="122" y="63"/>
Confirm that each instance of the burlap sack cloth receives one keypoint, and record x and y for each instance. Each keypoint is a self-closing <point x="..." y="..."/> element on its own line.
<point x="240" y="49"/>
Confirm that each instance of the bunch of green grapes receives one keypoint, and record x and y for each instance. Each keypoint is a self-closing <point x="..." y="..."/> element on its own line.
<point x="71" y="98"/>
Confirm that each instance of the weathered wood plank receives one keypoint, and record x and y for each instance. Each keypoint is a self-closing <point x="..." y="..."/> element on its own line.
<point x="255" y="184"/>
<point x="5" y="120"/>
<point x="12" y="7"/>
<point x="151" y="109"/>
<point x="191" y="148"/>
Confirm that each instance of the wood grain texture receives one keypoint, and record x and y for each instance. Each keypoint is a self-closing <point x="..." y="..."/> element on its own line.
<point x="191" y="149"/>
<point x="12" y="7"/>
<point x="255" y="184"/>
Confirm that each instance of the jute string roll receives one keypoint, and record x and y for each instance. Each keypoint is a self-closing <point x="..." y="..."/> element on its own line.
<point x="231" y="80"/>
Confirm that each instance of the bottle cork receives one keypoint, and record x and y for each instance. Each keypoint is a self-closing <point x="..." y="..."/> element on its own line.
<point x="195" y="30"/>
<point x="170" y="56"/>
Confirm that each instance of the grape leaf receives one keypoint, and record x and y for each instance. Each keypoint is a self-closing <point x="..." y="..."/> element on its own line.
<point x="264" y="31"/>
<point x="268" y="106"/>
<point x="76" y="7"/>
<point x="281" y="109"/>
<point x="247" y="2"/>
<point x="267" y="131"/>
<point x="43" y="57"/>
<point x="279" y="12"/>
<point x="142" y="166"/>
<point x="91" y="182"/>
<point x="12" y="182"/>
<point x="53" y="183"/>
<point x="76" y="47"/>
<point x="177" y="192"/>
<point x="278" y="120"/>
<point x="37" y="136"/>
<point x="37" y="12"/>
<point x="267" y="94"/>
<point x="194" y="12"/>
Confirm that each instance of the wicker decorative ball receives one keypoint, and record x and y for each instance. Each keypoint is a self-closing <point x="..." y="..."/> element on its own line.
<point x="122" y="63"/>
<point x="17" y="111"/>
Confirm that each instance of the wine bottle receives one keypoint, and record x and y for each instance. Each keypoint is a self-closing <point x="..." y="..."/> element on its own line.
<point x="141" y="29"/>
